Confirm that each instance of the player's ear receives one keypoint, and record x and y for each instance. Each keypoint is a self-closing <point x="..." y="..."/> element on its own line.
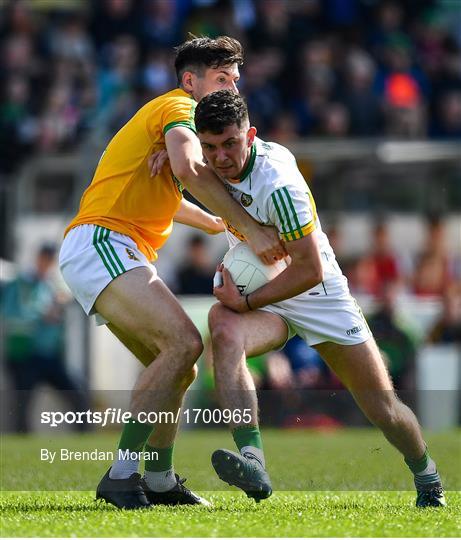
<point x="251" y="135"/>
<point x="187" y="81"/>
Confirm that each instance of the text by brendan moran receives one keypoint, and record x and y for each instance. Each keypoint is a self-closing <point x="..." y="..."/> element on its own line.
<point x="65" y="454"/>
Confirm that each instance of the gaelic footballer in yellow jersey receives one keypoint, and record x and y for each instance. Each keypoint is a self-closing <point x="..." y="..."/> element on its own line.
<point x="123" y="197"/>
<point x="124" y="218"/>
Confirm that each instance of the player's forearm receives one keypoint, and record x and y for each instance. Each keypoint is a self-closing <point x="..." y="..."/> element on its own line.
<point x="190" y="214"/>
<point x="205" y="186"/>
<point x="294" y="280"/>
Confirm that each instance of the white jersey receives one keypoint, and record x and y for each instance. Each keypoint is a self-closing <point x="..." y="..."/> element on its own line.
<point x="273" y="191"/>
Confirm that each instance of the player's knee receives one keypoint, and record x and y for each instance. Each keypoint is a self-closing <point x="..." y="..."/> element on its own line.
<point x="224" y="328"/>
<point x="189" y="377"/>
<point x="189" y="348"/>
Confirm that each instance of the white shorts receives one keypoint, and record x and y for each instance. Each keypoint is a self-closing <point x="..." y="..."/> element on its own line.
<point x="326" y="312"/>
<point x="91" y="257"/>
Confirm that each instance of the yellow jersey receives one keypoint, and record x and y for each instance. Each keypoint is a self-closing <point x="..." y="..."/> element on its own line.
<point x="123" y="196"/>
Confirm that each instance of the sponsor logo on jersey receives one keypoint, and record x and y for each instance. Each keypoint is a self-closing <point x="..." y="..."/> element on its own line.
<point x="131" y="254"/>
<point x="230" y="189"/>
<point x="354" y="330"/>
<point x="246" y="200"/>
<point x="234" y="231"/>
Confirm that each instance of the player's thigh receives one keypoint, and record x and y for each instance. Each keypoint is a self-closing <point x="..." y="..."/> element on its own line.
<point x="145" y="355"/>
<point x="362" y="370"/>
<point x="258" y="331"/>
<point x="142" y="306"/>
<point x="358" y="366"/>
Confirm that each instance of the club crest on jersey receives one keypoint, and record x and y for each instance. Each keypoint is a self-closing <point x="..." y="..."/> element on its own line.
<point x="131" y="254"/>
<point x="246" y="200"/>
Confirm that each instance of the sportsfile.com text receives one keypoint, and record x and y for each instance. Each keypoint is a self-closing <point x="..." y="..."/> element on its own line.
<point x="114" y="415"/>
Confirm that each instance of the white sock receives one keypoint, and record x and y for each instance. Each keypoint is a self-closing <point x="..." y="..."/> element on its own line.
<point x="160" y="481"/>
<point x="257" y="452"/>
<point x="123" y="468"/>
<point x="430" y="469"/>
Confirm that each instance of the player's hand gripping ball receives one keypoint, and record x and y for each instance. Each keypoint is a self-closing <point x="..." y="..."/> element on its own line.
<point x="246" y="269"/>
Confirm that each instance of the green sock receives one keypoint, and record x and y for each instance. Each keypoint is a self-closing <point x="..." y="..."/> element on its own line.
<point x="134" y="436"/>
<point x="248" y="441"/>
<point x="163" y="460"/>
<point x="418" y="465"/>
<point x="247" y="436"/>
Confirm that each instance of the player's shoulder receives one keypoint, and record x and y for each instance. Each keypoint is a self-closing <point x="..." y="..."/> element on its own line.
<point x="277" y="165"/>
<point x="172" y="100"/>
<point x="273" y="153"/>
<point x="176" y="95"/>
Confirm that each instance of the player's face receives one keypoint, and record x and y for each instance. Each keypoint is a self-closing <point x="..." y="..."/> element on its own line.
<point x="228" y="153"/>
<point x="212" y="80"/>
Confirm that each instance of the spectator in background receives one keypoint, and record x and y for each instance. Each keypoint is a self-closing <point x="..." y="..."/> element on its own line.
<point x="389" y="18"/>
<point x="384" y="259"/>
<point x="434" y="267"/>
<point x="335" y="121"/>
<point x="32" y="315"/>
<point x="284" y="131"/>
<point x="157" y="76"/>
<point x="317" y="80"/>
<point x="363" y="105"/>
<point x="113" y="18"/>
<point x="447" y="328"/>
<point x="403" y="88"/>
<point x="447" y="121"/>
<point x="196" y="275"/>
<point x="262" y="95"/>
<point x="393" y="338"/>
<point x="118" y="81"/>
<point x="162" y="22"/>
<point x="18" y="125"/>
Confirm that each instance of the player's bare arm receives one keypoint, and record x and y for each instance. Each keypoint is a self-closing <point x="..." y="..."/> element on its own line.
<point x="187" y="164"/>
<point x="303" y="273"/>
<point x="190" y="214"/>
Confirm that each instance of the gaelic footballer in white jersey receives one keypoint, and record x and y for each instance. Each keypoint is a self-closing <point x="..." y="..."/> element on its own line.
<point x="273" y="191"/>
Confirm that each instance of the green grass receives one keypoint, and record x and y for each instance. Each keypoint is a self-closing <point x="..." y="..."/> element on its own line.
<point x="350" y="480"/>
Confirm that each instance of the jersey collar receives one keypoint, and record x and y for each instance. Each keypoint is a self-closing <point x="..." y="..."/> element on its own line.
<point x="249" y="167"/>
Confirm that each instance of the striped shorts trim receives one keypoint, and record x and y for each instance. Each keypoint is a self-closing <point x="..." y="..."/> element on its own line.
<point x="109" y="257"/>
<point x="92" y="256"/>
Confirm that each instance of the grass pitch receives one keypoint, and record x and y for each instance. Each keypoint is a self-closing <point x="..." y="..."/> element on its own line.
<point x="349" y="478"/>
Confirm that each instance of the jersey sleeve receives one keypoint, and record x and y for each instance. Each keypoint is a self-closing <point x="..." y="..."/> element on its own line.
<point x="178" y="112"/>
<point x="292" y="211"/>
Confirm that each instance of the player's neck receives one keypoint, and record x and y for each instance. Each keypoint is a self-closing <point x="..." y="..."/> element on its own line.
<point x="247" y="166"/>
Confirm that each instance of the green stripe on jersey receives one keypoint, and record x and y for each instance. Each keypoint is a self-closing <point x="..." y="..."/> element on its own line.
<point x="183" y="123"/>
<point x="298" y="227"/>
<point x="279" y="213"/>
<point x="287" y="215"/>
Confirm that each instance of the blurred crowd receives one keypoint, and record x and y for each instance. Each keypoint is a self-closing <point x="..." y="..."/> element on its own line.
<point x="330" y="68"/>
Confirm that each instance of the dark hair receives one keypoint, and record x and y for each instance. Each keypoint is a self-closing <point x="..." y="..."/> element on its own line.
<point x="204" y="52"/>
<point x="218" y="110"/>
<point x="47" y="250"/>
